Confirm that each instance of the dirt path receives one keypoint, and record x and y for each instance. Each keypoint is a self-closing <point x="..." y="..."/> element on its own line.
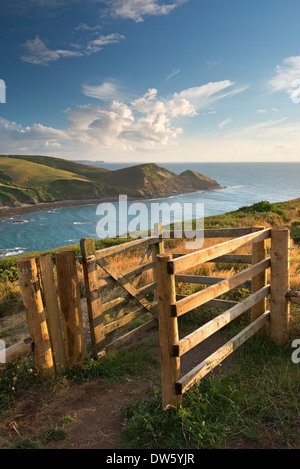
<point x="94" y="405"/>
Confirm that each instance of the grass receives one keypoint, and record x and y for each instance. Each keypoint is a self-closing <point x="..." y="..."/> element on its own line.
<point x="136" y="361"/>
<point x="255" y="402"/>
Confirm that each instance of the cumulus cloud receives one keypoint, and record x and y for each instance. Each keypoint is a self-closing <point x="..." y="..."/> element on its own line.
<point x="146" y="122"/>
<point x="287" y="78"/>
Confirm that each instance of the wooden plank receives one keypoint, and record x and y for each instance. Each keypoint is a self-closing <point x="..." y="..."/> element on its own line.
<point x="168" y="334"/>
<point x="187" y="381"/>
<point x="53" y="314"/>
<point x="118" y="301"/>
<point x="217" y="304"/>
<point x="35" y="314"/>
<point x="69" y="295"/>
<point x="294" y="297"/>
<point x="105" y="281"/>
<point x="87" y="246"/>
<point x="226" y="259"/>
<point x="199" y="257"/>
<point x="209" y="233"/>
<point x="202" y="333"/>
<point x="132" y="334"/>
<point x="18" y="350"/>
<point x="280" y="286"/>
<point x="120" y="248"/>
<point x="125" y="319"/>
<point x="199" y="298"/>
<point x="204" y="280"/>
<point x="123" y="282"/>
<point x="259" y="252"/>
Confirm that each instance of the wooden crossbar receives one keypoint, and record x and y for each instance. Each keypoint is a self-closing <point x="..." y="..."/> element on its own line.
<point x="191" y="378"/>
<point x="227" y="259"/>
<point x="202" y="333"/>
<point x="120" y="248"/>
<point x="136" y="270"/>
<point x="204" y="280"/>
<point x="199" y="257"/>
<point x="208" y="233"/>
<point x="124" y="283"/>
<point x="197" y="299"/>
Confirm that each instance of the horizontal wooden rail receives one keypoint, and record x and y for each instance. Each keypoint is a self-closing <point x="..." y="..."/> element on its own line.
<point x="187" y="381"/>
<point x="134" y="333"/>
<point x="199" y="257"/>
<point x="199" y="298"/>
<point x="112" y="326"/>
<point x="208" y="233"/>
<point x="125" y="247"/>
<point x="204" y="280"/>
<point x="202" y="333"/>
<point x="108" y="280"/>
<point x="218" y="304"/>
<point x="294" y="297"/>
<point x="227" y="259"/>
<point x="18" y="350"/>
<point x="119" y="301"/>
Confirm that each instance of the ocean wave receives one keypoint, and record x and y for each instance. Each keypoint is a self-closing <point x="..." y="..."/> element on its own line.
<point x="14" y="252"/>
<point x="83" y="223"/>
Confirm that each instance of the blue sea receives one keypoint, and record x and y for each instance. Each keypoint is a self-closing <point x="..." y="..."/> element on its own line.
<point x="245" y="184"/>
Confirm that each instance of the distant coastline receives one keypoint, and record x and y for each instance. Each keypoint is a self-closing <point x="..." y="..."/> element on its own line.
<point x="9" y="211"/>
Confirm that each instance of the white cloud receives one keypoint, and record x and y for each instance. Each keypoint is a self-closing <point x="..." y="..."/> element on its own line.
<point x="137" y="10"/>
<point x="97" y="44"/>
<point x="86" y="27"/>
<point x="224" y="123"/>
<point x="107" y="91"/>
<point x="287" y="77"/>
<point x="37" y="53"/>
<point x="264" y="129"/>
<point x="147" y="122"/>
<point x="174" y="72"/>
<point x="262" y="111"/>
<point x="203" y="96"/>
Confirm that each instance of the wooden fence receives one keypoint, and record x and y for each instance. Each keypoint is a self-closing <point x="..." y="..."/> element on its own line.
<point x="169" y="271"/>
<point x="53" y="305"/>
<point x="52" y="300"/>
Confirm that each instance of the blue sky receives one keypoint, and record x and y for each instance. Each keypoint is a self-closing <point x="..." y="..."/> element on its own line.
<point x="151" y="80"/>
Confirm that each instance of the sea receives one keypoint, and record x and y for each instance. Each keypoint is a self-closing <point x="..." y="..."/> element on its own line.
<point x="244" y="184"/>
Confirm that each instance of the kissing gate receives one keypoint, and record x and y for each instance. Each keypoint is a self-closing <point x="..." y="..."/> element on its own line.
<point x="53" y="303"/>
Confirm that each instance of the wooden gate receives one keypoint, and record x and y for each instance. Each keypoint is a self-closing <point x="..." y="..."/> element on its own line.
<point x="169" y="271"/>
<point x="100" y="273"/>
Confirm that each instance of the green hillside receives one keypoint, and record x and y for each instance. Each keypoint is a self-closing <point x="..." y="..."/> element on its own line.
<point x="33" y="179"/>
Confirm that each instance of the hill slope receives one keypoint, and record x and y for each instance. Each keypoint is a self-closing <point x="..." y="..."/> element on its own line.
<point x="34" y="179"/>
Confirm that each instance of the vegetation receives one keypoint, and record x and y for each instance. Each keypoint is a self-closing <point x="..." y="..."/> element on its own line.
<point x="254" y="404"/>
<point x="258" y="402"/>
<point x="33" y="179"/>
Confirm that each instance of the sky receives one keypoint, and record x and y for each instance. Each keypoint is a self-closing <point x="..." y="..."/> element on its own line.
<point x="150" y="80"/>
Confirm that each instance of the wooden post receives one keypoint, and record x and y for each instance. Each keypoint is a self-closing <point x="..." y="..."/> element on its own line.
<point x="87" y="246"/>
<point x="260" y="280"/>
<point x="69" y="295"/>
<point x="168" y="334"/>
<point x="156" y="250"/>
<point x="53" y="314"/>
<point x="280" y="285"/>
<point x="35" y="313"/>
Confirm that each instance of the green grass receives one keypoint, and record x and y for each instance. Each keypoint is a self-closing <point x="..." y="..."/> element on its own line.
<point x="258" y="401"/>
<point x="136" y="361"/>
<point x="53" y="434"/>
